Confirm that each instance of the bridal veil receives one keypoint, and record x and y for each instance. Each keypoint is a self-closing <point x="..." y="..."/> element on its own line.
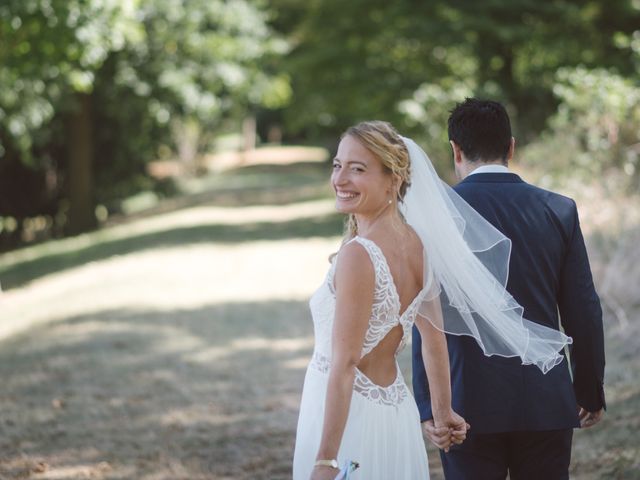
<point x="466" y="270"/>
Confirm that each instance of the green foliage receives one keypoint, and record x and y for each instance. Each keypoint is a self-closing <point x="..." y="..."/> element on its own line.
<point x="166" y="75"/>
<point x="200" y="58"/>
<point x="595" y="132"/>
<point x="146" y="65"/>
<point x="427" y="113"/>
<point x="197" y="66"/>
<point x="354" y="61"/>
<point x="365" y="59"/>
<point x="48" y="50"/>
<point x="205" y="59"/>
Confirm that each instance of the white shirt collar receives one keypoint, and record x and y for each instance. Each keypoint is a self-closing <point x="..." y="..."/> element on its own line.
<point x="490" y="169"/>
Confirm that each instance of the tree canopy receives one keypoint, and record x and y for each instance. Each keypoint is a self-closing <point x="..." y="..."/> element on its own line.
<point x="401" y="60"/>
<point x="130" y="69"/>
<point x="92" y="90"/>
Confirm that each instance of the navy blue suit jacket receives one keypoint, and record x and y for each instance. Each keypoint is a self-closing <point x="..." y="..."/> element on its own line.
<point x="549" y="273"/>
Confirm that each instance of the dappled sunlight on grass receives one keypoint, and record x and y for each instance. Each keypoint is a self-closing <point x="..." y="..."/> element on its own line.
<point x="297" y="363"/>
<point x="67" y="469"/>
<point x="186" y="276"/>
<point x="175" y="345"/>
<point x="259" y="184"/>
<point x="130" y="385"/>
<point x="258" y="343"/>
<point x="611" y="449"/>
<point x="100" y="470"/>
<point x="198" y="225"/>
<point x="273" y="155"/>
<point x="178" y="417"/>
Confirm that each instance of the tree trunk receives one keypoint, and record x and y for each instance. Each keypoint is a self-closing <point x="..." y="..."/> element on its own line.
<point x="249" y="136"/>
<point x="80" y="167"/>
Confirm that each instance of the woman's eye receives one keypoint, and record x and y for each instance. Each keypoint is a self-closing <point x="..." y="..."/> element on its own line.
<point x="335" y="166"/>
<point x="358" y="169"/>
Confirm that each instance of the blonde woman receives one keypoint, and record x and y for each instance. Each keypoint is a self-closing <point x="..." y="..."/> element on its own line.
<point x="404" y="261"/>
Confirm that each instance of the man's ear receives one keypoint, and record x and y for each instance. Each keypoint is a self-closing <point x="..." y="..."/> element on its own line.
<point x="457" y="152"/>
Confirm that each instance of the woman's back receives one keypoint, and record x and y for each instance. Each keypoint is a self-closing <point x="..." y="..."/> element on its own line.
<point x="382" y="430"/>
<point x="401" y="251"/>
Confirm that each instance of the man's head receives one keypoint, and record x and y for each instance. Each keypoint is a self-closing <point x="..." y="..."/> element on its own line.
<point x="479" y="133"/>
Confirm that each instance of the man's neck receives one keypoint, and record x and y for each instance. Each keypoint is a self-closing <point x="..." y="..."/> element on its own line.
<point x="486" y="167"/>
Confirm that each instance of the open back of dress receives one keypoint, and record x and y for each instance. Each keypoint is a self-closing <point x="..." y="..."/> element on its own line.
<point x="383" y="428"/>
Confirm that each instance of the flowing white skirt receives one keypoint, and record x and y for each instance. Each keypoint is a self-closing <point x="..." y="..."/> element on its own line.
<point x="385" y="439"/>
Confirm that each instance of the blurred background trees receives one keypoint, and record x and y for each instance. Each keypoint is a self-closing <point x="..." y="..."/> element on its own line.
<point x="91" y="91"/>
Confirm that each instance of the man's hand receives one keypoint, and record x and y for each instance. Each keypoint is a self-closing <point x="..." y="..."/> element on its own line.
<point x="454" y="432"/>
<point x="589" y="419"/>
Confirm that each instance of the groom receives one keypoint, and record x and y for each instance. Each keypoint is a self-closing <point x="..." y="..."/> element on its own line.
<point x="521" y="419"/>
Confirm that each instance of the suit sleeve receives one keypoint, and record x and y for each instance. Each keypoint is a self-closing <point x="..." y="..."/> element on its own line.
<point x="419" y="378"/>
<point x="581" y="317"/>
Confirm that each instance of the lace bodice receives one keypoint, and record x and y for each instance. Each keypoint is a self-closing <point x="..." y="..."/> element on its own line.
<point x="385" y="315"/>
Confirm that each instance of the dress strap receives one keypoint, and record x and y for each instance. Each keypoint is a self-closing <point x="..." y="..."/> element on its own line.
<point x="384" y="279"/>
<point x="386" y="304"/>
<point x="377" y="257"/>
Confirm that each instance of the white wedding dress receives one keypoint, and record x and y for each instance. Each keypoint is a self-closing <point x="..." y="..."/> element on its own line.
<point x="383" y="431"/>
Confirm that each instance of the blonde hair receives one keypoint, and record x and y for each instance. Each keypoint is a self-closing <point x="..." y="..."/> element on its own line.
<point x="384" y="141"/>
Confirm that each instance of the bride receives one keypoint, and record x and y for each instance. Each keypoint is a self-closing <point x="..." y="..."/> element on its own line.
<point x="414" y="253"/>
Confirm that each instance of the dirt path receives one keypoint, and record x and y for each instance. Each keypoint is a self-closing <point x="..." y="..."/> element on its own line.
<point x="185" y="362"/>
<point x="178" y="362"/>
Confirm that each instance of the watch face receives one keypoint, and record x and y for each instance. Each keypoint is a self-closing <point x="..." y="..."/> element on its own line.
<point x="334" y="463"/>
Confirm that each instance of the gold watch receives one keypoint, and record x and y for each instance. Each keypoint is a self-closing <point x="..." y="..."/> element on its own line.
<point x="327" y="463"/>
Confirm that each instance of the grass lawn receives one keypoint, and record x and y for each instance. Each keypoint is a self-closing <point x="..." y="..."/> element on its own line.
<point x="172" y="345"/>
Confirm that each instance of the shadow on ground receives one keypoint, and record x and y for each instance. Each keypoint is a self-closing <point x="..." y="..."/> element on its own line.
<point x="264" y="184"/>
<point x="208" y="393"/>
<point x="184" y="394"/>
<point x="21" y="273"/>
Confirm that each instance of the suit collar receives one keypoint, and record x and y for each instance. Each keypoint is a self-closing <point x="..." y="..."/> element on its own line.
<point x="492" y="178"/>
<point x="490" y="168"/>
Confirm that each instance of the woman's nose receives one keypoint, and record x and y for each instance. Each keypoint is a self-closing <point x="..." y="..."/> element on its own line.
<point x="339" y="177"/>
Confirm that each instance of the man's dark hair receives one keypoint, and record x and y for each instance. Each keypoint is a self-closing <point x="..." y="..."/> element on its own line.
<point x="481" y="128"/>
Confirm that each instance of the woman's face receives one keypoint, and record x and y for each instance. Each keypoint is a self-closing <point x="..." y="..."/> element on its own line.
<point x="361" y="183"/>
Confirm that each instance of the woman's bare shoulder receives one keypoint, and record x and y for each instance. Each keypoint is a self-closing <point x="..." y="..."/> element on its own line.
<point x="354" y="265"/>
<point x="353" y="254"/>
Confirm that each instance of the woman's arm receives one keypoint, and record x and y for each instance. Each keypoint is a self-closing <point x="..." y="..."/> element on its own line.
<point x="435" y="355"/>
<point x="355" y="283"/>
<point x="436" y="363"/>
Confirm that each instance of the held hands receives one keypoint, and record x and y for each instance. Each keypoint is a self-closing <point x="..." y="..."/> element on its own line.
<point x="446" y="430"/>
<point x="589" y="419"/>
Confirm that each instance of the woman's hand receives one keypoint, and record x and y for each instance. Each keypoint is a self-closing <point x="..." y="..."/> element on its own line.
<point x="451" y="427"/>
<point x="324" y="473"/>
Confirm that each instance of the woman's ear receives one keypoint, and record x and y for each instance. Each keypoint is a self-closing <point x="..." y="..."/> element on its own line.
<point x="396" y="181"/>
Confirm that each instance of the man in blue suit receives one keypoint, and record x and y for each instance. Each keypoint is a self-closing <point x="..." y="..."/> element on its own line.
<point x="521" y="420"/>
